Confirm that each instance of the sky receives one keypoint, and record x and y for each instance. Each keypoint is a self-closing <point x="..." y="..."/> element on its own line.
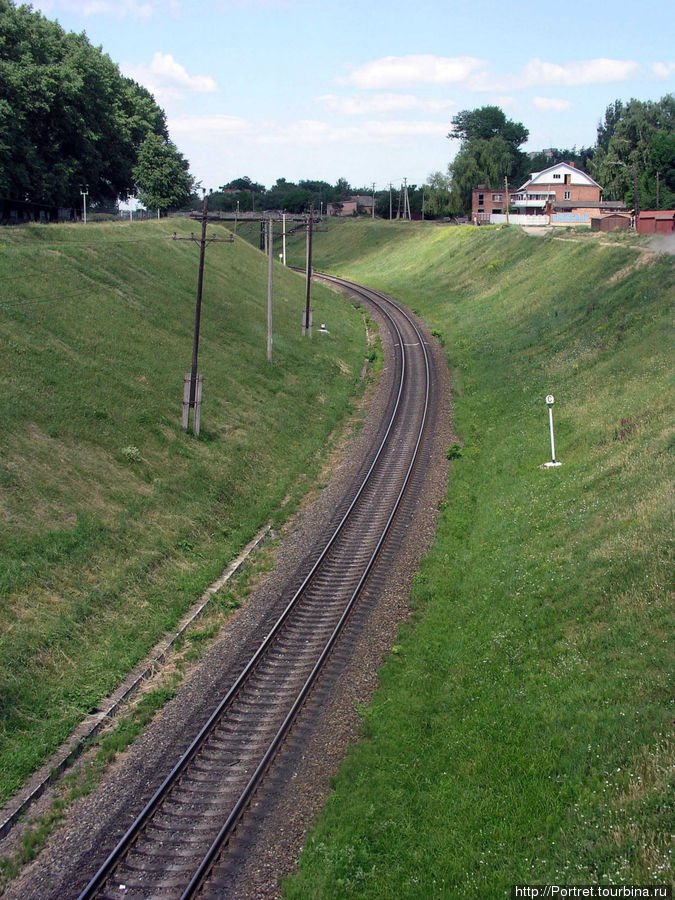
<point x="366" y="89"/>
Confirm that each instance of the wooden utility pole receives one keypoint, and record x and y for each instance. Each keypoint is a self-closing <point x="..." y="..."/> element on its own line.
<point x="373" y="210"/>
<point x="283" y="238"/>
<point x="636" y="197"/>
<point x="390" y="216"/>
<point x="270" y="255"/>
<point x="506" y="197"/>
<point x="307" y="318"/>
<point x="192" y="392"/>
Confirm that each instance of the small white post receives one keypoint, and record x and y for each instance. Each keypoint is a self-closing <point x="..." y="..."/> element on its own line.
<point x="270" y="256"/>
<point x="283" y="238"/>
<point x="549" y="403"/>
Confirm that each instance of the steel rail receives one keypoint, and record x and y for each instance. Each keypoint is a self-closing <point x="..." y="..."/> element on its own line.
<point x="127" y="841"/>
<point x="205" y="867"/>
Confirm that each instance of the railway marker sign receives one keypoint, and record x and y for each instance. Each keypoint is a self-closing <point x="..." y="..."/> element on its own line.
<point x="554" y="463"/>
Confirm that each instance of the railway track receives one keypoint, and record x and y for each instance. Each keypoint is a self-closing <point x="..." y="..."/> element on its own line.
<point x="178" y="845"/>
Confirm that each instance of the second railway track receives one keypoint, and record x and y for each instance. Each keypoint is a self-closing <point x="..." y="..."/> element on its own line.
<point x="177" y="847"/>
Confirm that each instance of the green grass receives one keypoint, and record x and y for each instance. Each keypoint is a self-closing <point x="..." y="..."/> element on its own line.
<point x="113" y="519"/>
<point x="522" y="731"/>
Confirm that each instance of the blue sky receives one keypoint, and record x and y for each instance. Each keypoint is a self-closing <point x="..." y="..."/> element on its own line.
<point x="366" y="90"/>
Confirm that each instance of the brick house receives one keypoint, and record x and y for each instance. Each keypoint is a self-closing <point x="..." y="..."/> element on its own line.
<point x="350" y="207"/>
<point x="560" y="195"/>
<point x="486" y="202"/>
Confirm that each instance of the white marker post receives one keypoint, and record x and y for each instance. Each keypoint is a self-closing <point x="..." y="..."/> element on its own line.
<point x="553" y="463"/>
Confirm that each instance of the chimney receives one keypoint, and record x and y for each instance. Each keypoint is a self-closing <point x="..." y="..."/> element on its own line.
<point x="572" y="164"/>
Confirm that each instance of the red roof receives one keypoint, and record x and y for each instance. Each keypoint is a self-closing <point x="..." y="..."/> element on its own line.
<point x="658" y="214"/>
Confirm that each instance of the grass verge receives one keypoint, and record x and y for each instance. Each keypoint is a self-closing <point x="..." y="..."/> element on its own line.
<point x="113" y="519"/>
<point x="522" y="732"/>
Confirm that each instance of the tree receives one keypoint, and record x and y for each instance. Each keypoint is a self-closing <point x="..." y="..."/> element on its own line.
<point x="485" y="123"/>
<point x="437" y="193"/>
<point x="161" y="175"/>
<point x="636" y="136"/>
<point x="488" y="154"/>
<point x="67" y="115"/>
<point x="550" y="157"/>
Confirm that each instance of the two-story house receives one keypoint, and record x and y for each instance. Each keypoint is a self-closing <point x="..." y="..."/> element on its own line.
<point x="560" y="195"/>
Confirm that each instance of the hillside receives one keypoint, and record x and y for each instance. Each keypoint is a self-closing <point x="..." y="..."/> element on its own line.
<point x="113" y="519"/>
<point x="522" y="731"/>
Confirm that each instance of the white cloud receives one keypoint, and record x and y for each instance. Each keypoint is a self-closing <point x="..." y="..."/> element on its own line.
<point x="378" y="104"/>
<point x="207" y="128"/>
<point x="663" y="70"/>
<point x="138" y="10"/>
<point x="591" y="71"/>
<point x="551" y="104"/>
<point x="167" y="79"/>
<point x="304" y="132"/>
<point x="538" y="73"/>
<point x="168" y="70"/>
<point x="400" y="71"/>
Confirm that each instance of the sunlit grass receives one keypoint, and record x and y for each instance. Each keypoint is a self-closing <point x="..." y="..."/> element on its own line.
<point x="113" y="519"/>
<point x="521" y="731"/>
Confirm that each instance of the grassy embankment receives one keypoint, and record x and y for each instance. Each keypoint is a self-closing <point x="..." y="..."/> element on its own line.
<point x="113" y="519"/>
<point x="522" y="730"/>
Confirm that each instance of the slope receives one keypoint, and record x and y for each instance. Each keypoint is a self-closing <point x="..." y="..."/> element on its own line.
<point x="522" y="731"/>
<point x="113" y="519"/>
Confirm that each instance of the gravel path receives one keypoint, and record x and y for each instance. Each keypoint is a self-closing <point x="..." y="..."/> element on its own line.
<point x="301" y="777"/>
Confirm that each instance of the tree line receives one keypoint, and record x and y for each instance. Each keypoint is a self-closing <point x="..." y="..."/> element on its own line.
<point x="70" y="122"/>
<point x="635" y="134"/>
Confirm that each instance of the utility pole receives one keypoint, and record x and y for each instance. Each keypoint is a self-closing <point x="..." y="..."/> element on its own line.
<point x="406" y="200"/>
<point x="283" y="238"/>
<point x="84" y="191"/>
<point x="658" y="176"/>
<point x="636" y="198"/>
<point x="307" y="318"/>
<point x="373" y="210"/>
<point x="390" y="210"/>
<point x="506" y="197"/>
<point x="236" y="217"/>
<point x="423" y="204"/>
<point x="270" y="254"/>
<point x="192" y="383"/>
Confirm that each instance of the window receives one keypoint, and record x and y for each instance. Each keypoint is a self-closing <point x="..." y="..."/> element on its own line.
<point x="568" y="179"/>
<point x="480" y="199"/>
<point x="557" y="176"/>
<point x="567" y="195"/>
<point x="496" y="198"/>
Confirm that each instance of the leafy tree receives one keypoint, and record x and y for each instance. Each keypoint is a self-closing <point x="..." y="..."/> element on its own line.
<point x="486" y="123"/>
<point x="244" y="184"/>
<point x="637" y="135"/>
<point x="437" y="195"/>
<point x="162" y="175"/>
<point x="489" y="153"/>
<point x="67" y="115"/>
<point x="545" y="159"/>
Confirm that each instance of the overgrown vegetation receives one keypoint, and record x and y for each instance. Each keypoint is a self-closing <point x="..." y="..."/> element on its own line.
<point x="113" y="519"/>
<point x="69" y="118"/>
<point x="522" y="730"/>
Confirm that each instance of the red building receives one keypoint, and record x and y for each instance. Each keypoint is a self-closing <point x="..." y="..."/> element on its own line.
<point x="560" y="195"/>
<point x="656" y="221"/>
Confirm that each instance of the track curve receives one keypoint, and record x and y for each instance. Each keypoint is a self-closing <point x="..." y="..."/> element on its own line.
<point x="177" y="845"/>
